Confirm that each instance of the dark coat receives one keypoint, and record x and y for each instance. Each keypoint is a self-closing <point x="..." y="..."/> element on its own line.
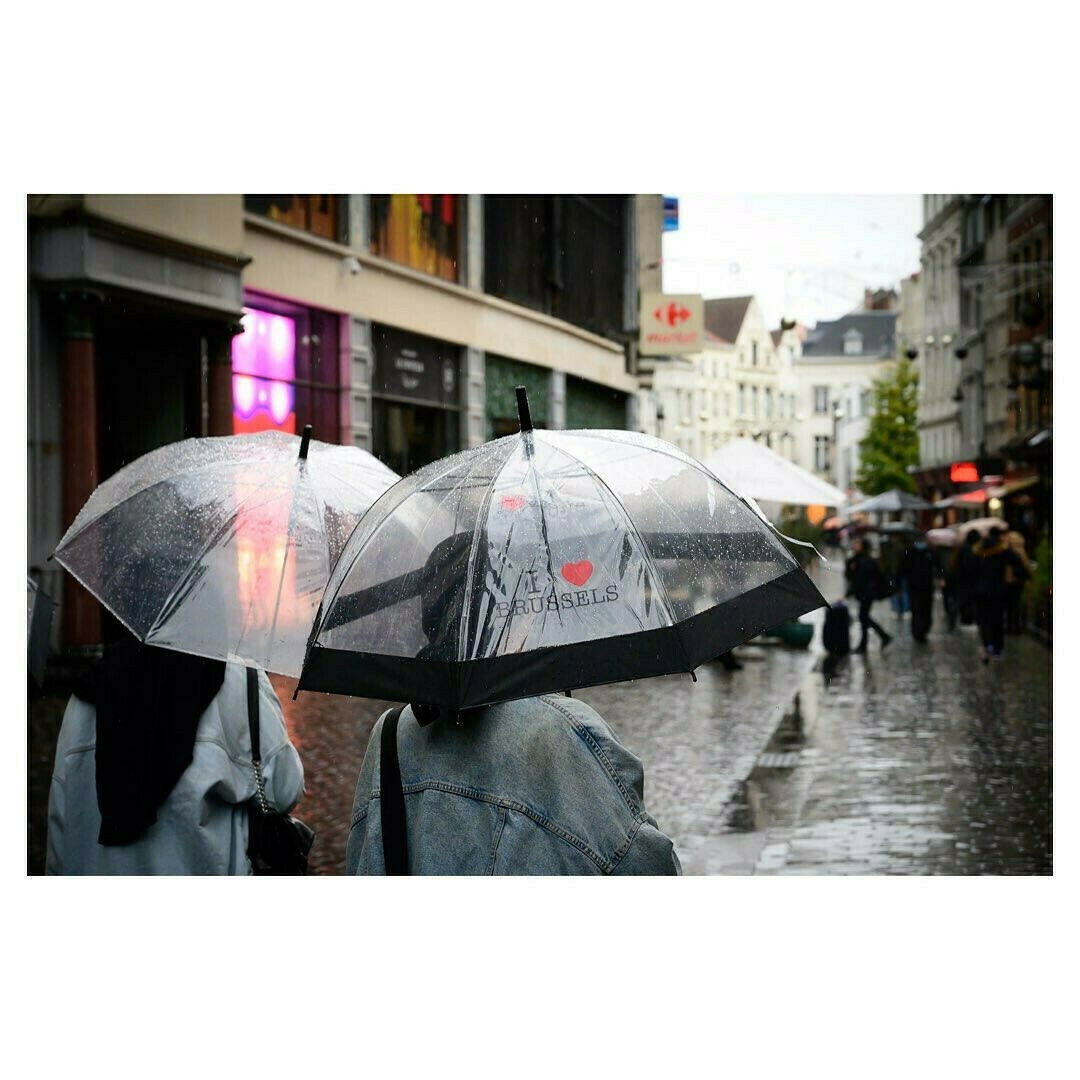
<point x="965" y="572"/>
<point x="920" y="569"/>
<point x="862" y="575"/>
<point x="993" y="558"/>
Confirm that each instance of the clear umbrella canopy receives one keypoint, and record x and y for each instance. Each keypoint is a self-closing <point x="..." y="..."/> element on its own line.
<point x="222" y="546"/>
<point x="543" y="561"/>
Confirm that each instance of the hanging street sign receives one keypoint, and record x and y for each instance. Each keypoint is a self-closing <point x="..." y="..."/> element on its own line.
<point x="671" y="323"/>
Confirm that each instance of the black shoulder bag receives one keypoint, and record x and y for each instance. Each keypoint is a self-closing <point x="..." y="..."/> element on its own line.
<point x="392" y="798"/>
<point x="277" y="843"/>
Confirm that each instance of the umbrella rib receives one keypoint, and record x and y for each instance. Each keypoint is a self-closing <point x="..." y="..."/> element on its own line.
<point x="463" y="625"/>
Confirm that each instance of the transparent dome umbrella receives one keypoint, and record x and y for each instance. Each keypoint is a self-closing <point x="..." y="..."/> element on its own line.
<point x="222" y="547"/>
<point x="544" y="561"/>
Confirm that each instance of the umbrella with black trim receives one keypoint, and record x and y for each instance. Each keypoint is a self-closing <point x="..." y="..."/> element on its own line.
<point x="544" y="561"/>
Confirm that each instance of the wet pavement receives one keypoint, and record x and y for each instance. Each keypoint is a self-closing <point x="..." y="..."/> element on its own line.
<point x="918" y="760"/>
<point x="915" y="761"/>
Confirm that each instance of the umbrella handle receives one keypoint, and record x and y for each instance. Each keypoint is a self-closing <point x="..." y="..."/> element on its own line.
<point x="304" y="442"/>
<point x="524" y="416"/>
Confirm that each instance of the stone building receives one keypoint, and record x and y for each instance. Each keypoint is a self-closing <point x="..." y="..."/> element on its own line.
<point x="396" y="323"/>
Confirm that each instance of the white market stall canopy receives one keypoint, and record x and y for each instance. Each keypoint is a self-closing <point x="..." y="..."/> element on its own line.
<point x="751" y="468"/>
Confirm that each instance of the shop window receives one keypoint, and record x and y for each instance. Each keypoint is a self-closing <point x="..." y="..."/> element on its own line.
<point x="286" y="371"/>
<point x="419" y="231"/>
<point x="318" y="214"/>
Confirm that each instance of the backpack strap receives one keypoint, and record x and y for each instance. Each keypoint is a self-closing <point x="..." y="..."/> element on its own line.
<point x="392" y="798"/>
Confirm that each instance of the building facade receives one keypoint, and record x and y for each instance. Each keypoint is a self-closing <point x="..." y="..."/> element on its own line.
<point x="986" y="359"/>
<point x="834" y="375"/>
<point x="939" y="374"/>
<point x="395" y="323"/>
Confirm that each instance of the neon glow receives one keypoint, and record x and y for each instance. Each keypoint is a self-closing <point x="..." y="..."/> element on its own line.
<point x="264" y="365"/>
<point x="963" y="472"/>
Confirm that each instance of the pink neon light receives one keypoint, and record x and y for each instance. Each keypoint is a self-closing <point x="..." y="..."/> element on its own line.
<point x="264" y="365"/>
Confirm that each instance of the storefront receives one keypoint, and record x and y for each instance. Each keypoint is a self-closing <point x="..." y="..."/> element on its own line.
<point x="287" y="369"/>
<point x="415" y="398"/>
<point x="589" y="405"/>
<point x="501" y="378"/>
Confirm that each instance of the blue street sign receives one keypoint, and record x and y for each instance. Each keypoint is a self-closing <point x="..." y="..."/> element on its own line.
<point x="671" y="214"/>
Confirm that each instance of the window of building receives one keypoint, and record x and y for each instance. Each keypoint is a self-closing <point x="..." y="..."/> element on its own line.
<point x="753" y="401"/>
<point x="286" y="370"/>
<point x="821" y="453"/>
<point x="322" y="215"/>
<point x="742" y="399"/>
<point x="753" y="348"/>
<point x="853" y="343"/>
<point x="564" y="255"/>
<point x="821" y="400"/>
<point x="768" y="403"/>
<point x="420" y="231"/>
<point x="864" y="403"/>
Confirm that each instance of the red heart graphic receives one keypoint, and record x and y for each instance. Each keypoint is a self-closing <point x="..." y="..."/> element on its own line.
<point x="513" y="502"/>
<point x="577" y="573"/>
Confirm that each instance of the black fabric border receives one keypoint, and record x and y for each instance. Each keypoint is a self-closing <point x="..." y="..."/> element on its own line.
<point x="466" y="684"/>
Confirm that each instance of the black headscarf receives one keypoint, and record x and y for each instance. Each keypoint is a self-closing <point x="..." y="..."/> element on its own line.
<point x="149" y="702"/>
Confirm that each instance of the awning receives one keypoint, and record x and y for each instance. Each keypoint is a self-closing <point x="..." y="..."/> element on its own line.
<point x="1011" y="487"/>
<point x="1031" y="443"/>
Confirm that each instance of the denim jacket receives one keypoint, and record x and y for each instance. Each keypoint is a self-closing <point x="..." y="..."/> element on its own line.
<point x="537" y="786"/>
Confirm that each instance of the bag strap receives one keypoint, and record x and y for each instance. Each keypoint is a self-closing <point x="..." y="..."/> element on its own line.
<point x="253" y="728"/>
<point x="392" y="798"/>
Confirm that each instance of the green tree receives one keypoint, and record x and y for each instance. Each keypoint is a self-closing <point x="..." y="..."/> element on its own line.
<point x="892" y="441"/>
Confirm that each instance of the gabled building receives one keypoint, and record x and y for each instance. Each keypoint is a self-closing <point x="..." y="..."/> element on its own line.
<point x="834" y="376"/>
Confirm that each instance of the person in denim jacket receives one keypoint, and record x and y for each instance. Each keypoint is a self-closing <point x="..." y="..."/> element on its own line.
<point x="535" y="786"/>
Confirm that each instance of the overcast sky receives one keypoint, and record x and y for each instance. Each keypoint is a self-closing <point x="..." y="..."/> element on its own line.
<point x="803" y="256"/>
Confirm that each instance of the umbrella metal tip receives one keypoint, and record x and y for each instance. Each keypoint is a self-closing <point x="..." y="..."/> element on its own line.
<point x="305" y="441"/>
<point x="524" y="416"/>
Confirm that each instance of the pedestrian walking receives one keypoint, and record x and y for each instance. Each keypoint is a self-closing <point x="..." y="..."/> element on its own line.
<point x="864" y="582"/>
<point x="995" y="557"/>
<point x="892" y="556"/>
<point x="920" y="572"/>
<point x="1015" y="578"/>
<point x="154" y="766"/>
<point x="965" y="571"/>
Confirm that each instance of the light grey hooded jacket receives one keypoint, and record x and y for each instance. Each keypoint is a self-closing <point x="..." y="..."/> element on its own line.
<point x="538" y="786"/>
<point x="202" y="826"/>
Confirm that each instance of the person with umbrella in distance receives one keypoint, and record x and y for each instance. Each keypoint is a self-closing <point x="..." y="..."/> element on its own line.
<point x="920" y="571"/>
<point x="964" y="567"/>
<point x="995" y="558"/>
<point x="864" y="578"/>
<point x="483" y="589"/>
<point x="1015" y="577"/>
